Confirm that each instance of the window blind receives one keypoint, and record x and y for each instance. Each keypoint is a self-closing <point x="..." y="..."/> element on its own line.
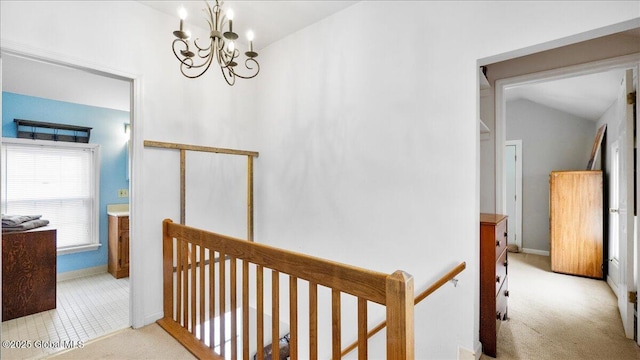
<point x="57" y="182"/>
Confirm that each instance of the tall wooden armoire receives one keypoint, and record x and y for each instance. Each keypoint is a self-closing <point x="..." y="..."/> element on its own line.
<point x="576" y="223"/>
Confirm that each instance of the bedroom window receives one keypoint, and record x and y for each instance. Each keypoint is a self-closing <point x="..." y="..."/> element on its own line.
<point x="58" y="181"/>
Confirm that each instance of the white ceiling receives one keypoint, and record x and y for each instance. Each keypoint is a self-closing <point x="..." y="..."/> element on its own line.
<point x="269" y="20"/>
<point x="45" y="80"/>
<point x="586" y="96"/>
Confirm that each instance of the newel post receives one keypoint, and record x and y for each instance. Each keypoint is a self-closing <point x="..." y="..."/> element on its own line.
<point x="167" y="269"/>
<point x="400" y="302"/>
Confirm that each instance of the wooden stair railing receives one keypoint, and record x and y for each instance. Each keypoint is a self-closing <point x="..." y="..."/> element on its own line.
<point x="201" y="290"/>
<point x="423" y="295"/>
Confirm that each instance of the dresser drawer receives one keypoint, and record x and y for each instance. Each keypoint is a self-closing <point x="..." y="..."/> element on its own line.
<point x="501" y="270"/>
<point x="501" y="238"/>
<point x="501" y="304"/>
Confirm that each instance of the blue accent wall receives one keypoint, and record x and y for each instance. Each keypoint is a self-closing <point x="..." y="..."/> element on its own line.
<point x="108" y="131"/>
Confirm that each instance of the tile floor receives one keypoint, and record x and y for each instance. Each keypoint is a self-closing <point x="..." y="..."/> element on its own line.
<point x="87" y="308"/>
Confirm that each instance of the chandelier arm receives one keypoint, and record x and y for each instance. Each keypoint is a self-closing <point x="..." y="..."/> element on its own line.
<point x="200" y="48"/>
<point x="223" y="56"/>
<point x="246" y="65"/>
<point x="232" y="74"/>
<point x="204" y="70"/>
<point x="188" y="63"/>
<point x="173" y="47"/>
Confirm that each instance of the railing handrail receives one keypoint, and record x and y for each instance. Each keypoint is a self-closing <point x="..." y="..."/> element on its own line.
<point x="423" y="295"/>
<point x="349" y="279"/>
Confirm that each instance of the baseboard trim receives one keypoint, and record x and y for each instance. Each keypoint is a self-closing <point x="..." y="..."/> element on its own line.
<point x="466" y="354"/>
<point x="612" y="285"/>
<point x="152" y="318"/>
<point x="535" y="252"/>
<point x="75" y="274"/>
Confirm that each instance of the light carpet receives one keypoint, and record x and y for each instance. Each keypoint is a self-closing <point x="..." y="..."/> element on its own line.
<point x="556" y="316"/>
<point x="149" y="342"/>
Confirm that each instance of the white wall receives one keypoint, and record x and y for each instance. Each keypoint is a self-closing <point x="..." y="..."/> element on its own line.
<point x="365" y="149"/>
<point x="366" y="124"/>
<point x="551" y="140"/>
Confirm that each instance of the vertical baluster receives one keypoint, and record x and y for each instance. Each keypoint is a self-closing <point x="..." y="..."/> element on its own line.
<point x="260" y="312"/>
<point x="362" y="329"/>
<point x="335" y="324"/>
<point x="193" y="284"/>
<point x="201" y="291"/>
<point x="245" y="310"/>
<point x="293" y="318"/>
<point x="178" y="313"/>
<point x="313" y="321"/>
<point x="234" y="305"/>
<point x="275" y="314"/>
<point x="185" y="284"/>
<point x="212" y="298"/>
<point x="222" y="300"/>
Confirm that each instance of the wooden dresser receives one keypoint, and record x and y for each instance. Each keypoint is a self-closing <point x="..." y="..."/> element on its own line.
<point x="118" y="262"/>
<point x="28" y="272"/>
<point x="494" y="288"/>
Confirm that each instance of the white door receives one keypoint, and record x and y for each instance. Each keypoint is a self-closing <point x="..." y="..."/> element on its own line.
<point x="513" y="170"/>
<point x="613" y="278"/>
<point x="633" y="83"/>
<point x="626" y="205"/>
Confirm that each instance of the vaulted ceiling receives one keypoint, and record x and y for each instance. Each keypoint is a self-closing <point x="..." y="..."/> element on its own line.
<point x="584" y="96"/>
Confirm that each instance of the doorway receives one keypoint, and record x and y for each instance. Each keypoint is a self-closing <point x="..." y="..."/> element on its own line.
<point x="91" y="278"/>
<point x="617" y="129"/>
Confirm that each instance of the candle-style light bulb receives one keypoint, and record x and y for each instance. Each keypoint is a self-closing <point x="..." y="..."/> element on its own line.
<point x="231" y="46"/>
<point x="188" y="33"/>
<point x="250" y="36"/>
<point x="230" y="17"/>
<point x="230" y="35"/>
<point x="182" y="13"/>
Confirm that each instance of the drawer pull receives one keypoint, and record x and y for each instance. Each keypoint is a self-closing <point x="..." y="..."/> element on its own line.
<point x="506" y="293"/>
<point x="497" y="279"/>
<point x="506" y="263"/>
<point x="499" y="315"/>
<point x="505" y="234"/>
<point x="498" y="243"/>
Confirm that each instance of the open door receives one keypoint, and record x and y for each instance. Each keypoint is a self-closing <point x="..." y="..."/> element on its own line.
<point x="513" y="199"/>
<point x="627" y="283"/>
<point x="632" y="86"/>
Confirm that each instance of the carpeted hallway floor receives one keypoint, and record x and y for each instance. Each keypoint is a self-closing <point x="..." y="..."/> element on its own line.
<point x="555" y="316"/>
<point x="149" y="342"/>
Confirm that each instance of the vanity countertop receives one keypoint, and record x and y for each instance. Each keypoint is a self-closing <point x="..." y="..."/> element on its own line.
<point x="118" y="210"/>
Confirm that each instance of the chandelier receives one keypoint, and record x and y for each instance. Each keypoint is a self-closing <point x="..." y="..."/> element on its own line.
<point x="196" y="57"/>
